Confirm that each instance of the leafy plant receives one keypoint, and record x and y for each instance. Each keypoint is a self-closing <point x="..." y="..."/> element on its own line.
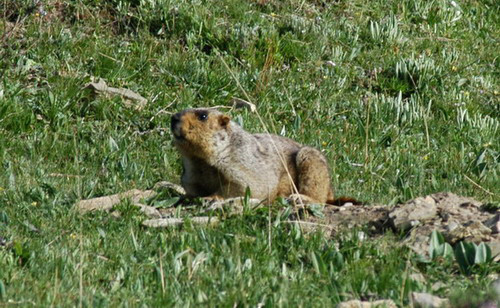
<point x="466" y="254"/>
<point x="469" y="254"/>
<point x="438" y="247"/>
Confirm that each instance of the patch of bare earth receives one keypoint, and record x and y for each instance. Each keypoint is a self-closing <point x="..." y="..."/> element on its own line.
<point x="457" y="218"/>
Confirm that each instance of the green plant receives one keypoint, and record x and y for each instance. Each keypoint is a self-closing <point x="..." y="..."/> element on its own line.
<point x="438" y="247"/>
<point x="469" y="254"/>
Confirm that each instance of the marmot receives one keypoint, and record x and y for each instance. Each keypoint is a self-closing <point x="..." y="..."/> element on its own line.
<point x="221" y="160"/>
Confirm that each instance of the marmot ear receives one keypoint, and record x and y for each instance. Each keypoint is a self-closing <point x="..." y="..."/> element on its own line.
<point x="224" y="120"/>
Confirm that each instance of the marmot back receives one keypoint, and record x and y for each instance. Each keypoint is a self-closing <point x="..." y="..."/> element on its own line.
<point x="221" y="160"/>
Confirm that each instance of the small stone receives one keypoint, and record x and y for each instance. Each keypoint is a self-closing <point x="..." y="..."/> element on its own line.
<point x="346" y="207"/>
<point x="426" y="300"/>
<point x="131" y="99"/>
<point x="495" y="249"/>
<point x="232" y="205"/>
<point x="172" y="222"/>
<point x="386" y="303"/>
<point x="419" y="243"/>
<point x="148" y="210"/>
<point x="493" y="223"/>
<point x="413" y="213"/>
<point x="106" y="203"/>
<point x="177" y="189"/>
<point x="446" y="200"/>
<point x="472" y="230"/>
<point x="163" y="222"/>
<point x="452" y="225"/>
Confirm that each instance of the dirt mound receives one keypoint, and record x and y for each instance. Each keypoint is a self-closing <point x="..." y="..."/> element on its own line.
<point x="457" y="218"/>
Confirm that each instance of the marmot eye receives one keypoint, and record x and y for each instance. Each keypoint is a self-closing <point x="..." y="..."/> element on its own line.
<point x="202" y="116"/>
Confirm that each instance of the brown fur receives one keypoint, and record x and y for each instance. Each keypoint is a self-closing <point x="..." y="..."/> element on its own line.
<point x="220" y="159"/>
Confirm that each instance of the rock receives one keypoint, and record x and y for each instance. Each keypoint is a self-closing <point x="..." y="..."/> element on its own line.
<point x="473" y="231"/>
<point x="177" y="189"/>
<point x="450" y="200"/>
<point x="232" y="205"/>
<point x="386" y="303"/>
<point x="106" y="203"/>
<point x="495" y="249"/>
<point x="457" y="218"/>
<point x="168" y="211"/>
<point x="172" y="222"/>
<point x="452" y="225"/>
<point x="163" y="222"/>
<point x="128" y="95"/>
<point x="346" y="207"/>
<point x="493" y="223"/>
<point x="148" y="210"/>
<point x="418" y="242"/>
<point x="374" y="216"/>
<point x="426" y="300"/>
<point x="413" y="213"/>
<point x="331" y="63"/>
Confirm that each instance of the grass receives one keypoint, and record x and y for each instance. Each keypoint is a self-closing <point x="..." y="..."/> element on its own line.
<point x="401" y="96"/>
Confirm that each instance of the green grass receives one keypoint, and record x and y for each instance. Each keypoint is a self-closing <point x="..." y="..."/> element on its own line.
<point x="401" y="96"/>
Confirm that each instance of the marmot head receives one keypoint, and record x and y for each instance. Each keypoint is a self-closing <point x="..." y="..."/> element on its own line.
<point x="201" y="133"/>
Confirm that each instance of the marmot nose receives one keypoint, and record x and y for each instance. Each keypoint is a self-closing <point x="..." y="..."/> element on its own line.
<point x="175" y="119"/>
